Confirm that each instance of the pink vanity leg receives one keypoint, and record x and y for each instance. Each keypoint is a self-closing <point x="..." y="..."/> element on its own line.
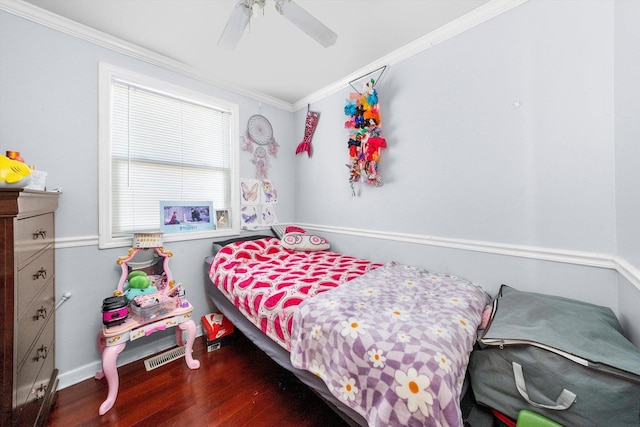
<point x="179" y="339"/>
<point x="100" y="343"/>
<point x="190" y="327"/>
<point x="109" y="357"/>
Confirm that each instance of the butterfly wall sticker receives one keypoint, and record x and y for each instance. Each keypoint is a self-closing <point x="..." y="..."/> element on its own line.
<point x="249" y="218"/>
<point x="250" y="191"/>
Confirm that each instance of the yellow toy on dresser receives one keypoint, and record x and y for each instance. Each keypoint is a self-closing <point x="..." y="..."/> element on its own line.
<point x="13" y="173"/>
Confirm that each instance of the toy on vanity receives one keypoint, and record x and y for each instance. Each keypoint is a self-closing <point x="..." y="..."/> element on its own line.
<point x="140" y="283"/>
<point x="115" y="310"/>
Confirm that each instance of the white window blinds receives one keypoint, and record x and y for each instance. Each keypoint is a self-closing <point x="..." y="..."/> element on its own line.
<point x="162" y="146"/>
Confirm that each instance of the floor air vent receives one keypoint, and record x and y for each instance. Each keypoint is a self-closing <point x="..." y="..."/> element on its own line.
<point x="164" y="358"/>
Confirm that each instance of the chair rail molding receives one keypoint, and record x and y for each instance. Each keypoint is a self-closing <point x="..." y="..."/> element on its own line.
<point x="586" y="259"/>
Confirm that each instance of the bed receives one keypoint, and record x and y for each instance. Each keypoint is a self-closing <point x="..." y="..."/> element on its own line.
<point x="382" y="344"/>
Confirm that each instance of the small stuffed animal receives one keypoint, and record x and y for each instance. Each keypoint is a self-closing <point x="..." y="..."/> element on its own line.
<point x="138" y="283"/>
<point x="13" y="173"/>
<point x="138" y="279"/>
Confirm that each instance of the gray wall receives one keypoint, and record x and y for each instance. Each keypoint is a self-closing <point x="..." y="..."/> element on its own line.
<point x="464" y="162"/>
<point x="505" y="160"/>
<point x="48" y="112"/>
<point x="627" y="150"/>
<point x="511" y="159"/>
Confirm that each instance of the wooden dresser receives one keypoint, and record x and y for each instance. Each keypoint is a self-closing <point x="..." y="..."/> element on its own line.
<point x="27" y="300"/>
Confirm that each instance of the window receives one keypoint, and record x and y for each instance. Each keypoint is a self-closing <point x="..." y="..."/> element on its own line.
<point x="160" y="142"/>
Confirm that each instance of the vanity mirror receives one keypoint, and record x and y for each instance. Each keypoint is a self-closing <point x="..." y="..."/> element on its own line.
<point x="145" y="271"/>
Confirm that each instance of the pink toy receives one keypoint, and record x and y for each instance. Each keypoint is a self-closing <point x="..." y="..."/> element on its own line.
<point x="309" y="128"/>
<point x="486" y="316"/>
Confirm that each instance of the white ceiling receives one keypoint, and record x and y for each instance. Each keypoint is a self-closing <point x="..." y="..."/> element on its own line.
<point x="274" y="58"/>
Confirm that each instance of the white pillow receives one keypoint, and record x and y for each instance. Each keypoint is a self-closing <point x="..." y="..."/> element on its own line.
<point x="304" y="242"/>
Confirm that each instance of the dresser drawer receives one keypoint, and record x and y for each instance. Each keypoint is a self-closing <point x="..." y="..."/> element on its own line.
<point x="33" y="277"/>
<point x="34" y="376"/>
<point x="38" y="317"/>
<point x="35" y="411"/>
<point x="32" y="234"/>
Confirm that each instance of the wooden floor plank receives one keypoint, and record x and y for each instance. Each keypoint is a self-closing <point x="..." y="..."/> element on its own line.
<point x="237" y="385"/>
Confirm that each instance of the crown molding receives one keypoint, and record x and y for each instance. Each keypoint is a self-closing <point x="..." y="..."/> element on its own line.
<point x="43" y="17"/>
<point x="477" y="16"/>
<point x="67" y="26"/>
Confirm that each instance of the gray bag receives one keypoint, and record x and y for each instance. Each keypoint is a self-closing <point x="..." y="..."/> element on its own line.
<point x="561" y="358"/>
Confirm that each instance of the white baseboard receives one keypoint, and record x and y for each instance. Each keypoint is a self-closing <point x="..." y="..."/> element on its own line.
<point x="149" y="348"/>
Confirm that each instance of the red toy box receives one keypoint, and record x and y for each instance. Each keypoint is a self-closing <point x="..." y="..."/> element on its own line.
<point x="217" y="330"/>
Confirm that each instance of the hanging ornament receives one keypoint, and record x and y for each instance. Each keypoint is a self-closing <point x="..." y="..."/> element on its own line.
<point x="261" y="162"/>
<point x="365" y="136"/>
<point x="309" y="128"/>
<point x="260" y="132"/>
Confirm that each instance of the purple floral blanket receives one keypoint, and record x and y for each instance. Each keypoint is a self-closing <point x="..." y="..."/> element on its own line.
<point x="393" y="344"/>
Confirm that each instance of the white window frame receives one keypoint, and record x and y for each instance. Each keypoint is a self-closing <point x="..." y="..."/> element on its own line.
<point x="109" y="73"/>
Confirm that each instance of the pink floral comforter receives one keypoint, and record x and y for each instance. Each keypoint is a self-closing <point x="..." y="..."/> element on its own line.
<point x="267" y="282"/>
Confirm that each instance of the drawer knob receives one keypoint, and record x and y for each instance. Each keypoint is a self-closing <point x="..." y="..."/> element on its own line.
<point x="41" y="353"/>
<point x="41" y="313"/>
<point x="40" y="233"/>
<point x="41" y="274"/>
<point x="40" y="392"/>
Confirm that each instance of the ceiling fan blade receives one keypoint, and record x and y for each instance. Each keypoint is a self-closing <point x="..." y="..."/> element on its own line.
<point x="306" y="22"/>
<point x="236" y="25"/>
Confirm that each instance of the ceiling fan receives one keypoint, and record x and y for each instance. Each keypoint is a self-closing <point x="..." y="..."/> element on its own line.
<point x="244" y="9"/>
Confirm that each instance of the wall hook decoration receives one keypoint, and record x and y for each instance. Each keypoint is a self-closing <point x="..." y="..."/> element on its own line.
<point x="365" y="136"/>
<point x="374" y="82"/>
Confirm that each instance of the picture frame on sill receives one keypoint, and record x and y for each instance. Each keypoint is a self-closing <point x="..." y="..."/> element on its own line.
<point x="186" y="216"/>
<point x="223" y="219"/>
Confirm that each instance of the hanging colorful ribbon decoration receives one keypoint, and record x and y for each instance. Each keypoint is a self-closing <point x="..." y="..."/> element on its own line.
<point x="365" y="140"/>
<point x="309" y="128"/>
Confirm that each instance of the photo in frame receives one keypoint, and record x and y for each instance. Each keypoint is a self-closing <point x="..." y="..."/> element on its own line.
<point x="223" y="219"/>
<point x="186" y="216"/>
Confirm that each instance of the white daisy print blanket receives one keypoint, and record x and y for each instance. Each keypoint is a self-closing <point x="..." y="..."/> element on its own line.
<point x="393" y="344"/>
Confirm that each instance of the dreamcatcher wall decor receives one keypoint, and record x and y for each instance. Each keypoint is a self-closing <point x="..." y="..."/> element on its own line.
<point x="260" y="133"/>
<point x="365" y="136"/>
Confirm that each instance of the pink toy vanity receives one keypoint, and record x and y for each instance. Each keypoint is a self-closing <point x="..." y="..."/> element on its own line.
<point x="150" y="318"/>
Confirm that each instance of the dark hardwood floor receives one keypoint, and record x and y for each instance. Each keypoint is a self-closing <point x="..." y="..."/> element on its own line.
<point x="237" y="385"/>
